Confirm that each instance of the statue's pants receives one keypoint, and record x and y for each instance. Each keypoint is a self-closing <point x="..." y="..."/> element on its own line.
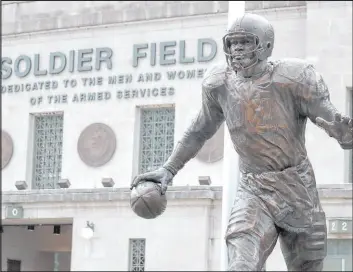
<point x="277" y="204"/>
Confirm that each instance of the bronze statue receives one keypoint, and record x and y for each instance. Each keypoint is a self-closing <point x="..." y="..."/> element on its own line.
<point x="265" y="106"/>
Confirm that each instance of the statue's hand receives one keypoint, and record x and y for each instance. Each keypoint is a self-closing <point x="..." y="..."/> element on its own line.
<point x="341" y="129"/>
<point x="161" y="175"/>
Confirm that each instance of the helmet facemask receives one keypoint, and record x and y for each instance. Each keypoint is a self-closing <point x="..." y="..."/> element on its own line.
<point x="242" y="49"/>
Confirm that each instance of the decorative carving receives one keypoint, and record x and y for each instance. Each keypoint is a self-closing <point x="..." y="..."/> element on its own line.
<point x="96" y="144"/>
<point x="6" y="149"/>
<point x="213" y="149"/>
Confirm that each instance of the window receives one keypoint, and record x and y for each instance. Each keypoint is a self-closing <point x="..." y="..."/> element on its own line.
<point x="48" y="143"/>
<point x="157" y="137"/>
<point x="137" y="255"/>
<point x="339" y="255"/>
<point x="13" y="265"/>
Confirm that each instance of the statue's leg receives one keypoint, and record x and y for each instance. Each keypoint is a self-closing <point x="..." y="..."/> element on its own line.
<point x="305" y="251"/>
<point x="251" y="234"/>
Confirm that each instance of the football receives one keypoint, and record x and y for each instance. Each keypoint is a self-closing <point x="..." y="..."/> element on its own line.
<point x="147" y="201"/>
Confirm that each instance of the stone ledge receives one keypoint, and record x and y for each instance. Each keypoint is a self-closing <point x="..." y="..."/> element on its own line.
<point x="105" y="194"/>
<point x="339" y="191"/>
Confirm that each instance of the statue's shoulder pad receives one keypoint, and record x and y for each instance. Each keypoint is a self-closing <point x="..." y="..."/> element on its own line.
<point x="214" y="76"/>
<point x="291" y="68"/>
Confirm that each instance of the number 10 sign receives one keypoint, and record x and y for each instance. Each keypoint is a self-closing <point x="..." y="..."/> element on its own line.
<point x="340" y="226"/>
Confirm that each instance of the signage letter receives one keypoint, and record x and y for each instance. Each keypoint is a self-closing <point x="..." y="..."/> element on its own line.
<point x="28" y="65"/>
<point x="52" y="63"/>
<point x="136" y="54"/>
<point x="6" y="71"/>
<point x="36" y="71"/>
<point x="81" y="60"/>
<point x="200" y="50"/>
<point x="164" y="53"/>
<point x="105" y="58"/>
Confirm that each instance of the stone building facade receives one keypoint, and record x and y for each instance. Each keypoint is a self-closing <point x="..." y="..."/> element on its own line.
<point x="99" y="91"/>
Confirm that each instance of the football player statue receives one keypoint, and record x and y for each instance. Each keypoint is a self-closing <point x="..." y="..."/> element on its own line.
<point x="265" y="105"/>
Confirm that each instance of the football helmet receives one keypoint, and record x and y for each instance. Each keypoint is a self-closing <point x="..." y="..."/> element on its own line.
<point x="257" y="28"/>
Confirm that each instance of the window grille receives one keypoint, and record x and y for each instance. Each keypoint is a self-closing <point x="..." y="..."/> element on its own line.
<point x="13" y="265"/>
<point x="137" y="255"/>
<point x="156" y="138"/>
<point x="48" y="144"/>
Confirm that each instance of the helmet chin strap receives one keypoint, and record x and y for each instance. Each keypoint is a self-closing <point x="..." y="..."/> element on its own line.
<point x="243" y="68"/>
<point x="251" y="71"/>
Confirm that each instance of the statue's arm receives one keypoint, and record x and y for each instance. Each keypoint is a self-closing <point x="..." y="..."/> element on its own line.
<point x="314" y="102"/>
<point x="203" y="127"/>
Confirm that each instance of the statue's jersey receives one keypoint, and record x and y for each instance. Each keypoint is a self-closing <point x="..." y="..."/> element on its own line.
<point x="266" y="117"/>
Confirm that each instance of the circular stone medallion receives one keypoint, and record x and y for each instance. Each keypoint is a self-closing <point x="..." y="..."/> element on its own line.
<point x="213" y="149"/>
<point x="96" y="144"/>
<point x="6" y="149"/>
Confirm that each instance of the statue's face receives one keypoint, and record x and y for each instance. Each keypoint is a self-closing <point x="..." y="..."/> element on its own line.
<point x="242" y="50"/>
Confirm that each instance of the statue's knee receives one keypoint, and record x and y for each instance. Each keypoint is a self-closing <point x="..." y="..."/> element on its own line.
<point x="311" y="262"/>
<point x="314" y="265"/>
<point x="240" y="228"/>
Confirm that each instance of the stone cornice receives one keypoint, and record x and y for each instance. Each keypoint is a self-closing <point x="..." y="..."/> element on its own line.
<point x="67" y="17"/>
<point x="339" y="191"/>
